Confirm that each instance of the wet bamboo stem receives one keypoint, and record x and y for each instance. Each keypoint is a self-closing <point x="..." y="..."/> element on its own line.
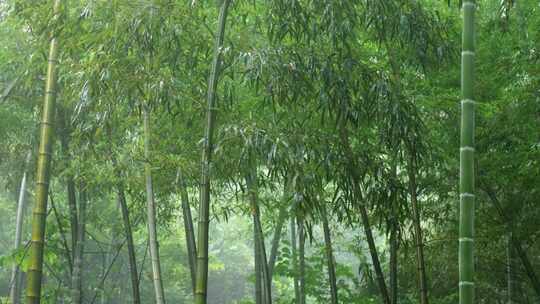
<point x="78" y="251"/>
<point x="419" y="240"/>
<point x="121" y="196"/>
<point x="188" y="228"/>
<point x="330" y="258"/>
<point x="15" y="274"/>
<point x="201" y="286"/>
<point x="39" y="213"/>
<point x="260" y="249"/>
<point x="151" y="214"/>
<point x="294" y="260"/>
<point x="352" y="168"/>
<point x="466" y="172"/>
<point x="302" y="259"/>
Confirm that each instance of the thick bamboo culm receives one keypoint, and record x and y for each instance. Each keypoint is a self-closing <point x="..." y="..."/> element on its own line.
<point x="466" y="173"/>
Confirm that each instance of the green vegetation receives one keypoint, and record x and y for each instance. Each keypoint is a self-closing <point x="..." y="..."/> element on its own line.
<point x="235" y="152"/>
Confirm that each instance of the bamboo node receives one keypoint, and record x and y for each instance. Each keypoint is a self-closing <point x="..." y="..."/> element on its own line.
<point x="466" y="239"/>
<point x="469" y="3"/>
<point x="466" y="283"/>
<point x="471" y="149"/>
<point x="467" y="53"/>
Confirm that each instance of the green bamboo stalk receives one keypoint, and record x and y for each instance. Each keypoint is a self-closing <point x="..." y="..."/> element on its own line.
<point x="188" y="228"/>
<point x="15" y="274"/>
<point x="276" y="239"/>
<point x="357" y="191"/>
<point x="330" y="258"/>
<point x="39" y="214"/>
<point x="121" y="197"/>
<point x="64" y="132"/>
<point x="419" y="243"/>
<point x="201" y="286"/>
<point x="466" y="172"/>
<point x="509" y="269"/>
<point x="258" y="264"/>
<point x="393" y="282"/>
<point x="393" y="262"/>
<point x="151" y="214"/>
<point x="122" y="203"/>
<point x="301" y="259"/>
<point x="260" y="250"/>
<point x="294" y="261"/>
<point x="78" y="251"/>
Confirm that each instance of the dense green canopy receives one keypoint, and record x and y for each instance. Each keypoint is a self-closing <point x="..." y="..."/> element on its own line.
<point x="280" y="151"/>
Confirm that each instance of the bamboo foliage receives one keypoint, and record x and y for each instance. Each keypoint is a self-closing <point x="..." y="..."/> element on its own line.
<point x="39" y="213"/>
<point x="201" y="285"/>
<point x="466" y="172"/>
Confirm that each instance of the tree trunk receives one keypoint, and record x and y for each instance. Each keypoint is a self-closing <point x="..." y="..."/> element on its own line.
<point x="201" y="285"/>
<point x="151" y="213"/>
<point x="15" y="274"/>
<point x="418" y="238"/>
<point x="352" y="169"/>
<point x="466" y="172"/>
<point x="294" y="261"/>
<point x="302" y="260"/>
<point x="188" y="228"/>
<point x="78" y="252"/>
<point x="330" y="258"/>
<point x="39" y="214"/>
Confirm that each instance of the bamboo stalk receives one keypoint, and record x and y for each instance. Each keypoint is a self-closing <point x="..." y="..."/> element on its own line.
<point x="201" y="286"/>
<point x="15" y="274"/>
<point x="330" y="258"/>
<point x="419" y="240"/>
<point x="39" y="213"/>
<point x="352" y="167"/>
<point x="294" y="260"/>
<point x="301" y="259"/>
<point x="188" y="228"/>
<point x="466" y="176"/>
<point x="78" y="252"/>
<point x="151" y="214"/>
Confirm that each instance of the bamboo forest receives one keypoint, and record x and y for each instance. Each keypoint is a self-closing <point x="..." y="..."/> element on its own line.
<point x="270" y="151"/>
